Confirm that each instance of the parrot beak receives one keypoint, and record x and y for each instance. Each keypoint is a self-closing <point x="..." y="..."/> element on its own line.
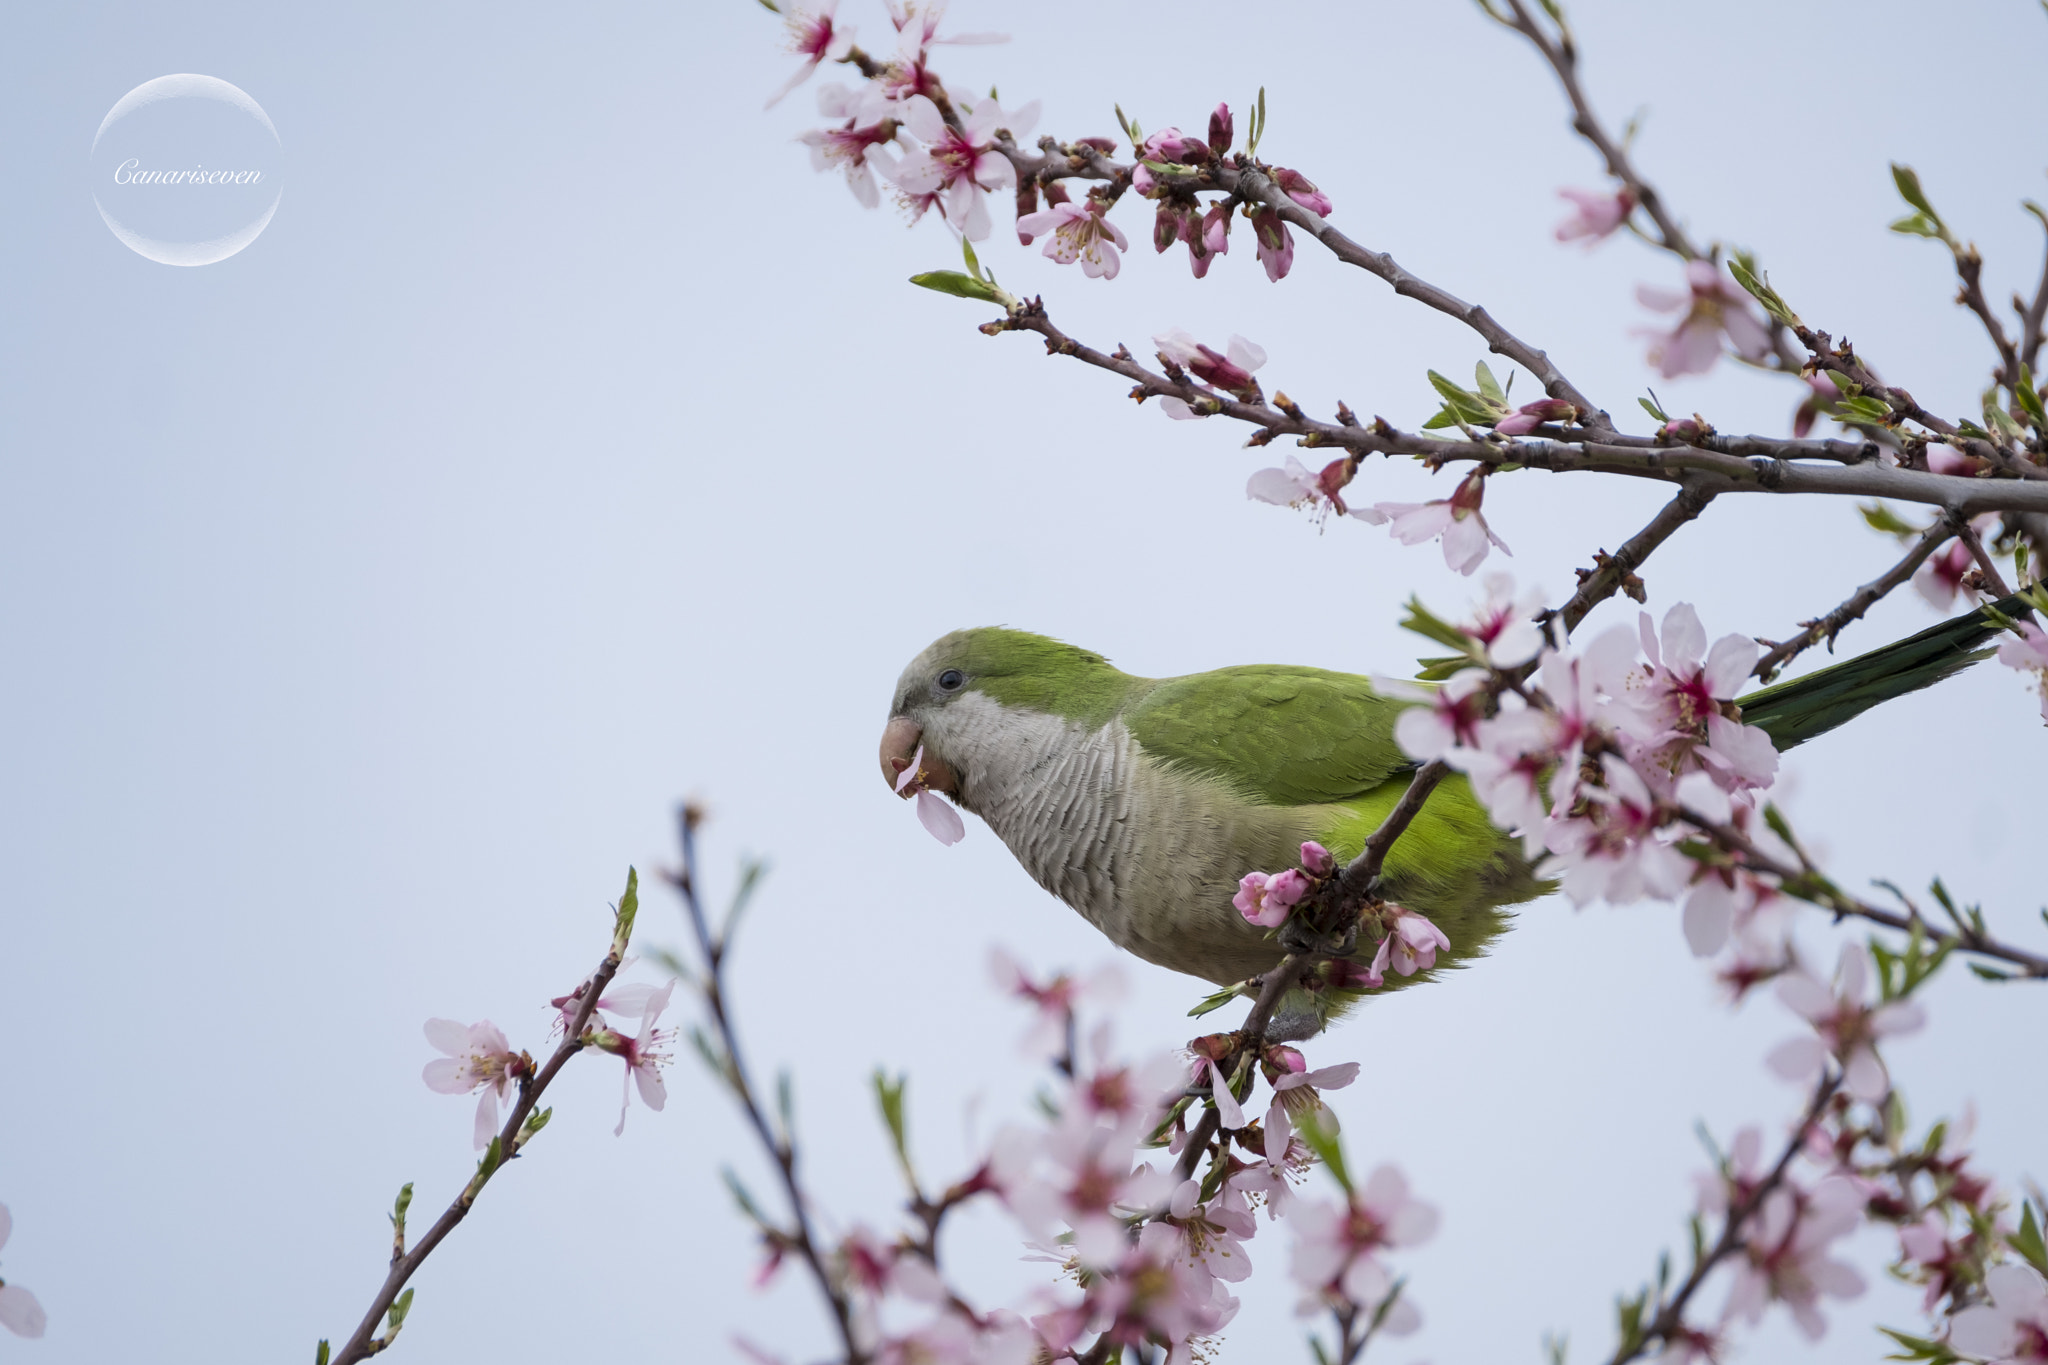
<point x="900" y="740"/>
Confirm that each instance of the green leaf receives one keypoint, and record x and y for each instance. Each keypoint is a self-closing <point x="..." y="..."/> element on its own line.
<point x="2028" y="1242"/>
<point x="1441" y="666"/>
<point x="397" y="1214"/>
<point x="321" y="1353"/>
<point x="740" y="1197"/>
<point x="1870" y="411"/>
<point x="1322" y="1139"/>
<point x="1742" y="265"/>
<point x="1213" y="1001"/>
<point x="628" y="910"/>
<point x="399" y="1310"/>
<point x="1466" y="404"/>
<point x="1423" y="622"/>
<point x="1489" y="387"/>
<point x="2030" y="399"/>
<point x="751" y="872"/>
<point x="889" y="1098"/>
<point x="958" y="285"/>
<point x="1908" y="182"/>
<point x="1916" y="225"/>
<point x="535" y="1121"/>
<point x="1881" y="518"/>
<point x="1444" y="418"/>
<point x="1651" y="407"/>
<point x="1920" y="1348"/>
<point x="1990" y="973"/>
<point x="973" y="262"/>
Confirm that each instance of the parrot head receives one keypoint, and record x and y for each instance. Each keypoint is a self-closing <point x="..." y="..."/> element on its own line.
<point x="966" y="692"/>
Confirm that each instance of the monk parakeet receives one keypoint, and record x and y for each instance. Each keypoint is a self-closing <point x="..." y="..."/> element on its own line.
<point x="1141" y="802"/>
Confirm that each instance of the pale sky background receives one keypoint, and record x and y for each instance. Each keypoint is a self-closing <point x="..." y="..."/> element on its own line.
<point x="566" y="445"/>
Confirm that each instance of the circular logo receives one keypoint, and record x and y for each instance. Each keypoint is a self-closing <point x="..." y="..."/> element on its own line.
<point x="187" y="170"/>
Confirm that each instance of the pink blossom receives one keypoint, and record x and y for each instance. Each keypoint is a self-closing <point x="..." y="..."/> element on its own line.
<point x="1302" y="191"/>
<point x="1337" y="1246"/>
<point x="1610" y="851"/>
<point x="1222" y="130"/>
<point x="1267" y="900"/>
<point x="1822" y="394"/>
<point x="1079" y="232"/>
<point x="1940" y="579"/>
<point x="640" y="1053"/>
<point x="2029" y="653"/>
<point x="1599" y="213"/>
<point x="1786" y="1254"/>
<point x="1230" y="371"/>
<point x="1295" y="1091"/>
<point x="20" y="1313"/>
<point x="1844" y="1027"/>
<point x="957" y="166"/>
<point x="1942" y="459"/>
<point x="1714" y="305"/>
<point x="1448" y="719"/>
<point x="1529" y="416"/>
<point x="918" y="25"/>
<point x="2013" y="1326"/>
<point x="1292" y="485"/>
<point x="1276" y="244"/>
<point x="934" y="814"/>
<point x="1316" y="859"/>
<point x="1456" y="519"/>
<point x="1678" y="699"/>
<point x="1055" y="1001"/>
<point x="1410" y="945"/>
<point x="1210" y="1236"/>
<point x="816" y="37"/>
<point x="479" y="1058"/>
<point x="1505" y="625"/>
<point x="854" y="147"/>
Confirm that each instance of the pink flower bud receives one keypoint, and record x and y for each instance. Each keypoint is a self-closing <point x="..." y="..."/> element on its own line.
<point x="1287" y="889"/>
<point x="1686" y="429"/>
<point x="1317" y="859"/>
<point x="1466" y="500"/>
<point x="1331" y="481"/>
<point x="1302" y="191"/>
<point x="1222" y="130"/>
<point x="1169" y="226"/>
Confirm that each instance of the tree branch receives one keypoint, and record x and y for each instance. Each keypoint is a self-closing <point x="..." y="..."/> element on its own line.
<point x="1611" y="572"/>
<point x="1827" y="627"/>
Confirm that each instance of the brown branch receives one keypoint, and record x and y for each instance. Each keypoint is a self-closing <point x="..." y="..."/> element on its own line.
<point x="1806" y="883"/>
<point x="1985" y="563"/>
<point x="362" y="1343"/>
<point x="1827" y="627"/>
<point x="1636" y="457"/>
<point x="2032" y="315"/>
<point x="1611" y="572"/>
<point x="1670" y="1319"/>
<point x="781" y="1150"/>
<point x="1970" y="271"/>
<point x="1361" y="876"/>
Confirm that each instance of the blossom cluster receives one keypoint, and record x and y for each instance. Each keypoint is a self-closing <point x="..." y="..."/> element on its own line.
<point x="478" y="1057"/>
<point x="1147" y="1252"/>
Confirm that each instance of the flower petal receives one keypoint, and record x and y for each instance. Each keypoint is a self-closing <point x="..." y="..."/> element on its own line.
<point x="941" y="819"/>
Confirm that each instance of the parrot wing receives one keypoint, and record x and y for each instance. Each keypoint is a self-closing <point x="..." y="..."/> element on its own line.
<point x="1282" y="735"/>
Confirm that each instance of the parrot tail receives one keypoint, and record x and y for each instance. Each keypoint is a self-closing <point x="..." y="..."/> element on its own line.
<point x="1796" y="711"/>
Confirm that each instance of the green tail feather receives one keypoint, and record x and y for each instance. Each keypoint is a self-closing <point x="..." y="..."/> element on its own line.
<point x="1796" y="711"/>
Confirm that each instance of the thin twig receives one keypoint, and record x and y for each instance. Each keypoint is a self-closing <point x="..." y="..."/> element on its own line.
<point x="1610" y="573"/>
<point x="1985" y="563"/>
<point x="1970" y="270"/>
<point x="1827" y="627"/>
<point x="782" y="1151"/>
<point x="2032" y="315"/>
<point x="362" y="1343"/>
<point x="1670" y="1318"/>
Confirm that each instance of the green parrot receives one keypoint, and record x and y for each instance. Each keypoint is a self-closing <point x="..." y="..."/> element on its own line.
<point x="1141" y="802"/>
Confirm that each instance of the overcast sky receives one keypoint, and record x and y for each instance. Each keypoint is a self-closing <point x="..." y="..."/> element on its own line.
<point x="565" y="446"/>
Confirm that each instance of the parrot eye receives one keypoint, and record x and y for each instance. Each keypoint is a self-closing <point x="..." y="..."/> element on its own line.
<point x="951" y="680"/>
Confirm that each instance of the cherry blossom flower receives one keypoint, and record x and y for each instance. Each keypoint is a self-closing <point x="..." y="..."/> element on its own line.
<point x="1156" y="1292"/>
<point x="1599" y="213"/>
<point x="1054" y="1001"/>
<point x="1530" y="416"/>
<point x="1448" y="718"/>
<point x="2013" y="1326"/>
<point x="1316" y="860"/>
<point x="1295" y="1091"/>
<point x="1679" y="695"/>
<point x="641" y="1054"/>
<point x="1844" y="1027"/>
<point x="1267" y="900"/>
<point x="1610" y="852"/>
<point x="1456" y="519"/>
<point x="20" y="1313"/>
<point x="1276" y="244"/>
<point x="1714" y="306"/>
<point x="1210" y="1236"/>
<point x="1292" y="485"/>
<point x="1230" y="371"/>
<point x="1227" y="1108"/>
<point x="1336" y="1247"/>
<point x="1222" y="130"/>
<point x="479" y="1058"/>
<point x="1410" y="945"/>
<point x="955" y="167"/>
<point x="1786" y="1254"/>
<point x="1079" y="232"/>
<point x="2029" y="653"/>
<point x="1940" y="579"/>
<point x="1302" y="191"/>
<point x="1505" y="625"/>
<point x="919" y="26"/>
<point x="815" y="36"/>
<point x="854" y="147"/>
<point x="934" y="814"/>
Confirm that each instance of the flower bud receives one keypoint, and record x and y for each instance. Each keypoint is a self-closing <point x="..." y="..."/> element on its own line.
<point x="1222" y="130"/>
<point x="1314" y="856"/>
